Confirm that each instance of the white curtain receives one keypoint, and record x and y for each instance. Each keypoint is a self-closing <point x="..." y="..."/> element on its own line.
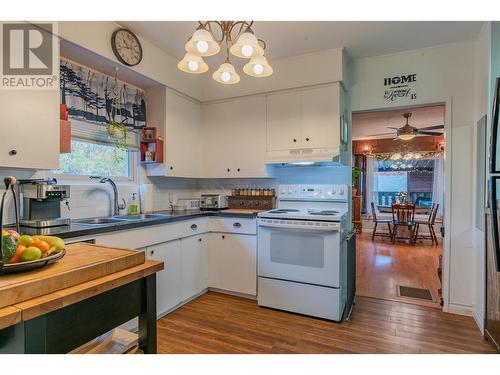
<point x="370" y="185"/>
<point x="438" y="183"/>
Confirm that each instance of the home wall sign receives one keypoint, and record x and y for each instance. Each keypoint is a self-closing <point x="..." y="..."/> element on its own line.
<point x="400" y="87"/>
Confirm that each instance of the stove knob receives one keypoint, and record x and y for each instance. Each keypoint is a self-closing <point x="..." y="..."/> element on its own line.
<point x="333" y="191"/>
<point x="341" y="192"/>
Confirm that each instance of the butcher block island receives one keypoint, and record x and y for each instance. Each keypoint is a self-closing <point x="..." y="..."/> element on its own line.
<point x="84" y="296"/>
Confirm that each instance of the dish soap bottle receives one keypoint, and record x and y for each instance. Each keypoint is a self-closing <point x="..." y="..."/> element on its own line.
<point x="132" y="205"/>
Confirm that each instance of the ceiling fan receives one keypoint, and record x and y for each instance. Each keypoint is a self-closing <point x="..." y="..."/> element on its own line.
<point x="408" y="132"/>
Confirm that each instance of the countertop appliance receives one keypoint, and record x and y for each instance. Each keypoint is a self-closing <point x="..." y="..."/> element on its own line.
<point x="41" y="203"/>
<point x="213" y="201"/>
<point x="190" y="203"/>
<point x="302" y="251"/>
<point x="492" y="303"/>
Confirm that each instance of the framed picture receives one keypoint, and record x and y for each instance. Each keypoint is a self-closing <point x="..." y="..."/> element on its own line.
<point x="344" y="131"/>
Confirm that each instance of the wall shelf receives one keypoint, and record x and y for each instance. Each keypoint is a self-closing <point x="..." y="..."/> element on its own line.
<point x="151" y="146"/>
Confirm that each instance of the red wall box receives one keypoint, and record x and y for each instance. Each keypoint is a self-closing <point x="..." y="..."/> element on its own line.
<point x="64" y="136"/>
<point x="156" y="146"/>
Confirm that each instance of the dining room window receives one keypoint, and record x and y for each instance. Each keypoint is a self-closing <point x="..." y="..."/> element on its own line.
<point x="414" y="179"/>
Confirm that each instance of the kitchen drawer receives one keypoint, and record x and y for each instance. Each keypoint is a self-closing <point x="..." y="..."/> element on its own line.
<point x="232" y="225"/>
<point x="154" y="234"/>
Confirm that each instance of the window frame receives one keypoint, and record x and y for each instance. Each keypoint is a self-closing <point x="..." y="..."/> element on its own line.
<point x="132" y="179"/>
<point x="408" y="192"/>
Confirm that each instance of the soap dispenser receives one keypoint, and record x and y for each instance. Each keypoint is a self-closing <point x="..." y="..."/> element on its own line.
<point x="132" y="205"/>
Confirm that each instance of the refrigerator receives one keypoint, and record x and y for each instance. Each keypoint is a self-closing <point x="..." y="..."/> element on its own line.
<point x="492" y="274"/>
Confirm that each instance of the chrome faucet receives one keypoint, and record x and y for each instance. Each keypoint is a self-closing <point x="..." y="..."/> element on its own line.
<point x="116" y="205"/>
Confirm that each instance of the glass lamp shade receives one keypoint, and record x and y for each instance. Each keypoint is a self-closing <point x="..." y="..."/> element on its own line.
<point x="247" y="46"/>
<point x="192" y="64"/>
<point x="226" y="74"/>
<point x="258" y="67"/>
<point x="202" y="43"/>
<point x="406" y="136"/>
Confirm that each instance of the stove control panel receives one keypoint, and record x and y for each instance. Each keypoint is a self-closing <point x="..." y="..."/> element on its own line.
<point x="321" y="192"/>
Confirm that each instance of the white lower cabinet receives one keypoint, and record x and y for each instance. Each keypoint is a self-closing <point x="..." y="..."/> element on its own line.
<point x="232" y="262"/>
<point x="168" y="281"/>
<point x="186" y="270"/>
<point x="205" y="252"/>
<point x="194" y="266"/>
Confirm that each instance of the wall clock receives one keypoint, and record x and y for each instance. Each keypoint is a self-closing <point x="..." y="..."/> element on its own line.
<point x="126" y="47"/>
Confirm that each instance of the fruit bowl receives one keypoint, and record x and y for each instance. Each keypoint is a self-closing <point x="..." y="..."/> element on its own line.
<point x="31" y="265"/>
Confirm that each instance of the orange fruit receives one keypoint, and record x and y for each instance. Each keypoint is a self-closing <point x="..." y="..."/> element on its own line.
<point x="17" y="255"/>
<point x="42" y="245"/>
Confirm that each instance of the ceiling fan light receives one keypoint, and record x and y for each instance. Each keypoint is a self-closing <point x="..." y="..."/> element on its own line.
<point x="247" y="46"/>
<point x="192" y="64"/>
<point x="226" y="74"/>
<point x="258" y="67"/>
<point x="202" y="43"/>
<point x="406" y="136"/>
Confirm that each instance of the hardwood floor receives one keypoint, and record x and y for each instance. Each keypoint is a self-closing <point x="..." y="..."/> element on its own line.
<point x="218" y="323"/>
<point x="381" y="265"/>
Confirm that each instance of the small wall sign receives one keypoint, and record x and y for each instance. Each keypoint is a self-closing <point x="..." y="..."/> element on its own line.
<point x="400" y="87"/>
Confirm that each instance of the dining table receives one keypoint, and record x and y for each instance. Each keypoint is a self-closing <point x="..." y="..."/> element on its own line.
<point x="421" y="210"/>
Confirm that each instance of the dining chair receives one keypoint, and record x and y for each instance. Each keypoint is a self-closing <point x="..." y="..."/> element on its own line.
<point x="377" y="221"/>
<point x="403" y="215"/>
<point x="431" y="219"/>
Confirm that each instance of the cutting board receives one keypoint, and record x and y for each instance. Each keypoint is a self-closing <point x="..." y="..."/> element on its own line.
<point x="83" y="262"/>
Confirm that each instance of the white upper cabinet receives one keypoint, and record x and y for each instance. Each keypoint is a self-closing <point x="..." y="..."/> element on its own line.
<point x="30" y="129"/>
<point x="234" y="136"/>
<point x="321" y="117"/>
<point x="284" y="123"/>
<point x="180" y="120"/>
<point x="304" y="119"/>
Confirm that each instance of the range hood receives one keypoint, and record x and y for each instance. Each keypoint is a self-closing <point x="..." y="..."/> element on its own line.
<point x="305" y="156"/>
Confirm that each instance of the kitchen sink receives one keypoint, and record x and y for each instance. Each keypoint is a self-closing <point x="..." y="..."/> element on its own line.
<point x="98" y="221"/>
<point x="140" y="217"/>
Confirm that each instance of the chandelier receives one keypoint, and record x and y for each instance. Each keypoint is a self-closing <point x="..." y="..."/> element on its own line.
<point x="238" y="39"/>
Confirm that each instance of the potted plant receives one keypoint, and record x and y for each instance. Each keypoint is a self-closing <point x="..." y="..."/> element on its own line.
<point x="356" y="173"/>
<point x="118" y="133"/>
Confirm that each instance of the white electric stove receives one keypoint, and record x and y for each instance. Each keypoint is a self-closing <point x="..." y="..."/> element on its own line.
<point x="301" y="251"/>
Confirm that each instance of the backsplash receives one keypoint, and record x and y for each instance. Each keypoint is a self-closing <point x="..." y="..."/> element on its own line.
<point x="93" y="199"/>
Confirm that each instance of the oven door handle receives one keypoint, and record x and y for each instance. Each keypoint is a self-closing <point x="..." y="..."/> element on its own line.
<point x="302" y="228"/>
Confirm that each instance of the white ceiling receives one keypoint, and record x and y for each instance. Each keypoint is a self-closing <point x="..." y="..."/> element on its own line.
<point x="292" y="38"/>
<point x="366" y="124"/>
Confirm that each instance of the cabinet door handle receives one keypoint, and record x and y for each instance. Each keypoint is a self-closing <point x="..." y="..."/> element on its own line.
<point x="152" y="252"/>
<point x="237" y="225"/>
<point x="295" y="140"/>
<point x="194" y="226"/>
<point x="229" y="170"/>
<point x="238" y="169"/>
<point x="171" y="168"/>
<point x="199" y="239"/>
<point x="12" y="152"/>
<point x="223" y="236"/>
<point x="307" y="139"/>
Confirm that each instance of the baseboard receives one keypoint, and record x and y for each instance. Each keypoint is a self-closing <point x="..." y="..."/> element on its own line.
<point x="454" y="308"/>
<point x="223" y="291"/>
<point x="479" y="321"/>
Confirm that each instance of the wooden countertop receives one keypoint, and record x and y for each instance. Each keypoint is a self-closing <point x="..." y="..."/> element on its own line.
<point x="72" y="279"/>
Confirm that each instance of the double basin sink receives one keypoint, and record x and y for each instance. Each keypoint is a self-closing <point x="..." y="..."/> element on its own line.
<point x="97" y="221"/>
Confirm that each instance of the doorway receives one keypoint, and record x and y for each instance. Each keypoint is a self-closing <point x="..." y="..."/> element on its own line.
<point x="399" y="205"/>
